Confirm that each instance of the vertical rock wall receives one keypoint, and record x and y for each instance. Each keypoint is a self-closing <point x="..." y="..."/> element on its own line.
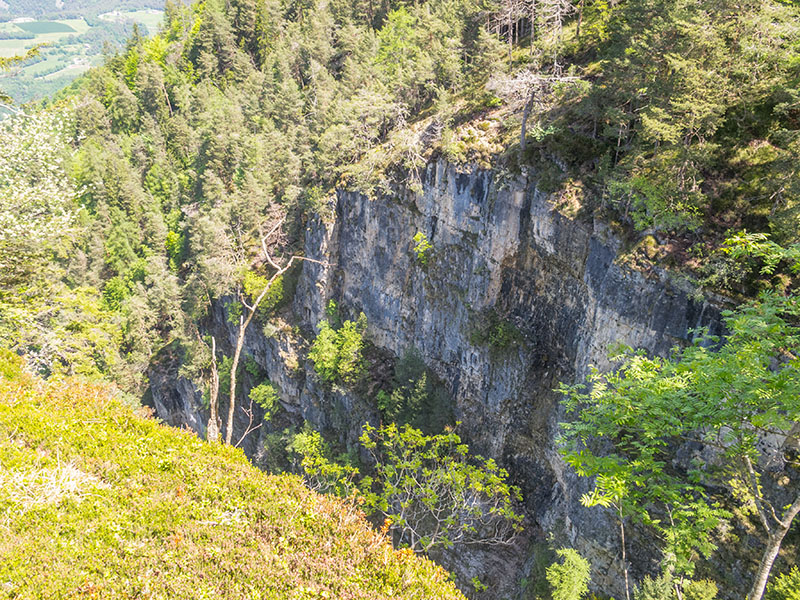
<point x="499" y="251"/>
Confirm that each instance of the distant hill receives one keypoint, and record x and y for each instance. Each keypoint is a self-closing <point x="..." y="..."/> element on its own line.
<point x="99" y="501"/>
<point x="70" y="9"/>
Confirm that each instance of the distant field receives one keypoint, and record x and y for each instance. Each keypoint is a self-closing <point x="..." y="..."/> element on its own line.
<point x="46" y="27"/>
<point x="150" y="18"/>
<point x="13" y="47"/>
<point x="45" y="32"/>
<point x="61" y="60"/>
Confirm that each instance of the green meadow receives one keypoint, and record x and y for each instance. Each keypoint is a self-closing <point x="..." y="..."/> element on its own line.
<point x="45" y="32"/>
<point x="150" y="18"/>
<point x="45" y="27"/>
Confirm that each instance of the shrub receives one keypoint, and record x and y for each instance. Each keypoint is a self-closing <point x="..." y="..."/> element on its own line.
<point x="337" y="353"/>
<point x="705" y="589"/>
<point x="660" y="588"/>
<point x="432" y="493"/>
<point x="322" y="472"/>
<point x="494" y="331"/>
<point x="569" y="579"/>
<point x="422" y="247"/>
<point x="785" y="586"/>
<point x="266" y="396"/>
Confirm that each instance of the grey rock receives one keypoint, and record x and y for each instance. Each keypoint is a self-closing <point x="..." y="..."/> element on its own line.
<point x="496" y="246"/>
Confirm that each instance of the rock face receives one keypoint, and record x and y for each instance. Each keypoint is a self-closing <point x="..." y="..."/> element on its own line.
<point x="501" y="259"/>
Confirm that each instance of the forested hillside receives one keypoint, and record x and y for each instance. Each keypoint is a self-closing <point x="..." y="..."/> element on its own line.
<point x="188" y="146"/>
<point x="181" y="179"/>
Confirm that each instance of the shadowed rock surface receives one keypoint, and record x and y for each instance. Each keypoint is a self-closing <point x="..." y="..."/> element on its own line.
<point x="500" y="253"/>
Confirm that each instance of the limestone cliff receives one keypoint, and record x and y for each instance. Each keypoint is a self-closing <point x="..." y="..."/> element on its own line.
<point x="499" y="249"/>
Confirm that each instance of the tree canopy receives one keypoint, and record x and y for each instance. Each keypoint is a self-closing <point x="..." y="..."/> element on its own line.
<point x="734" y="403"/>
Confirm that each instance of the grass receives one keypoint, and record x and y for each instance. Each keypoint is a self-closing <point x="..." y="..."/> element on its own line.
<point x="99" y="501"/>
<point x="66" y="27"/>
<point x="46" y="27"/>
<point x="151" y="18"/>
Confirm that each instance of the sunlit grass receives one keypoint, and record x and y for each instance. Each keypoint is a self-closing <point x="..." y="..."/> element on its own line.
<point x="100" y="501"/>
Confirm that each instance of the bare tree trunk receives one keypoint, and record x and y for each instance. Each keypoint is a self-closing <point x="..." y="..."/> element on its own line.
<point x="510" y="37"/>
<point x="212" y="431"/>
<point x="580" y="20"/>
<point x="624" y="556"/>
<point x="771" y="551"/>
<point x="525" y="114"/>
<point x="244" y="322"/>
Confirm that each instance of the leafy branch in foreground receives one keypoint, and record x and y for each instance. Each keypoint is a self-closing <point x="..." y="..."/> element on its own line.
<point x="428" y="489"/>
<point x="741" y="400"/>
<point x="7" y="62"/>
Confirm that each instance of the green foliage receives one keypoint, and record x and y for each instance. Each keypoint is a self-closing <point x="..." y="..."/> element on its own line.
<point x="417" y="397"/>
<point x="666" y="587"/>
<point x="322" y="472"/>
<point x="37" y="201"/>
<point x="754" y="256"/>
<point x="569" y="579"/>
<point x="76" y="458"/>
<point x="11" y="365"/>
<point x="428" y="489"/>
<point x="403" y="405"/>
<point x="115" y="291"/>
<point x="235" y="313"/>
<point x="491" y="329"/>
<point x="266" y="396"/>
<point x="176" y="249"/>
<point x="785" y="586"/>
<point x="660" y="588"/>
<point x="722" y="394"/>
<point x="703" y="589"/>
<point x="252" y="367"/>
<point x="478" y="585"/>
<point x="337" y="353"/>
<point x="254" y="284"/>
<point x="224" y="369"/>
<point x="684" y="116"/>
<point x="422" y="248"/>
<point x="431" y="492"/>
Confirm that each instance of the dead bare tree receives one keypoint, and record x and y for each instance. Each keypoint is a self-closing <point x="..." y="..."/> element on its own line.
<point x="212" y="430"/>
<point x="250" y="427"/>
<point x="554" y="12"/>
<point x="246" y="319"/>
<point x="529" y="87"/>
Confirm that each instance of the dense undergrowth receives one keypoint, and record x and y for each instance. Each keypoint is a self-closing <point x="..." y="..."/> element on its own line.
<point x="99" y="501"/>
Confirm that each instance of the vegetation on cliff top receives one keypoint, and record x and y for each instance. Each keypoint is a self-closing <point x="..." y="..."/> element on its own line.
<point x="100" y="501"/>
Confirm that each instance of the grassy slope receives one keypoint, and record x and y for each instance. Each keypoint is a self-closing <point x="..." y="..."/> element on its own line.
<point x="97" y="501"/>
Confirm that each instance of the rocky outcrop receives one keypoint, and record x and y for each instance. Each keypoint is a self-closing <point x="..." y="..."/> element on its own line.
<point x="500" y="256"/>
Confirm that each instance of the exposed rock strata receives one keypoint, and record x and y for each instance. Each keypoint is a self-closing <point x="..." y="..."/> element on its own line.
<point x="497" y="246"/>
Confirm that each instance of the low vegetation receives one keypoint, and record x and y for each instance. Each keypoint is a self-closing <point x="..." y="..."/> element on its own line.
<point x="98" y="500"/>
<point x="427" y="490"/>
